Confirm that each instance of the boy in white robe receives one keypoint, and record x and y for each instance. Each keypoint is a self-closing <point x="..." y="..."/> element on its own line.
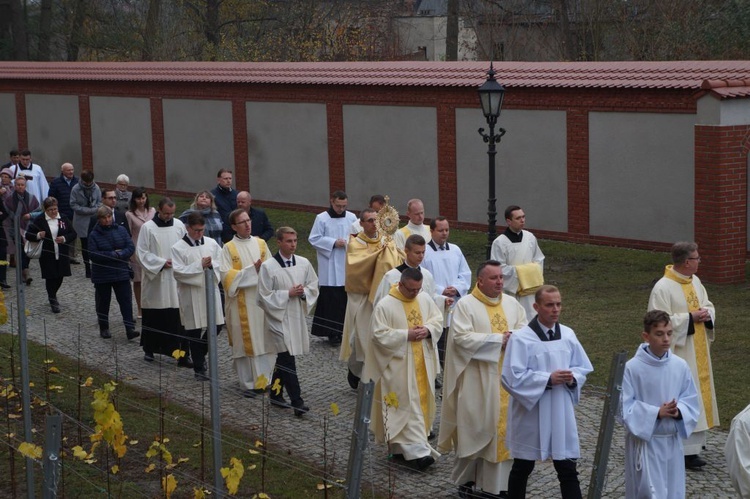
<point x="403" y="364"/>
<point x="287" y="293"/>
<point x="544" y="370"/>
<point x="241" y="258"/>
<point x="473" y="420"/>
<point x="191" y="256"/>
<point x="660" y="408"/>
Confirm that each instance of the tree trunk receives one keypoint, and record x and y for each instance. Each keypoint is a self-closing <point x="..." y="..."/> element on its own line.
<point x="451" y="32"/>
<point x="74" y="40"/>
<point x="569" y="49"/>
<point x="45" y="28"/>
<point x="211" y="26"/>
<point x="20" y="47"/>
<point x="151" y="33"/>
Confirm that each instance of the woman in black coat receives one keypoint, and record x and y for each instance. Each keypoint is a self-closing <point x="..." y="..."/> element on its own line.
<point x="56" y="233"/>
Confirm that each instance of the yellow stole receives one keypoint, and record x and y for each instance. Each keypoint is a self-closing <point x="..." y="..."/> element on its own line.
<point x="499" y="324"/>
<point x="700" y="342"/>
<point x="414" y="318"/>
<point x="242" y="310"/>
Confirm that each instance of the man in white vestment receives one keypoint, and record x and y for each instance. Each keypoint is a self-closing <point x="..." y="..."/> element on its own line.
<point x="329" y="236"/>
<point x="737" y="453"/>
<point x="475" y="408"/>
<point x="681" y="294"/>
<point x="377" y="201"/>
<point x="402" y="361"/>
<point x="162" y="330"/>
<point x="287" y="293"/>
<point x="544" y="370"/>
<point x="368" y="258"/>
<point x="523" y="262"/>
<point x="36" y="181"/>
<point x="415" y="212"/>
<point x="191" y="256"/>
<point x="414" y="251"/>
<point x="450" y="269"/>
<point x="659" y="409"/>
<point x="253" y="354"/>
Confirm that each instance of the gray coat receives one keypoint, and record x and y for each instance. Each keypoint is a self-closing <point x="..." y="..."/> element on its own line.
<point x="84" y="201"/>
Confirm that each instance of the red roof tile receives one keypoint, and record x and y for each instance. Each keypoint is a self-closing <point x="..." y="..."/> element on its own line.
<point x="723" y="78"/>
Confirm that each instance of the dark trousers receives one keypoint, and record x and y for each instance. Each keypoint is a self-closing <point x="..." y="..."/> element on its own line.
<point x="566" y="475"/>
<point x="3" y="255"/>
<point x="286" y="372"/>
<point x="85" y="251"/>
<point x="103" y="297"/>
<point x="52" y="286"/>
<point x="198" y="348"/>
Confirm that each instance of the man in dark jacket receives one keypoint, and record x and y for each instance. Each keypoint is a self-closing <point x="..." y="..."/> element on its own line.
<point x="110" y="249"/>
<point x="226" y="202"/>
<point x="109" y="199"/>
<point x="261" y="225"/>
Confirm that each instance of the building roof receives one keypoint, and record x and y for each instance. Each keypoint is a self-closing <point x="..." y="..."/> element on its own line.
<point x="725" y="79"/>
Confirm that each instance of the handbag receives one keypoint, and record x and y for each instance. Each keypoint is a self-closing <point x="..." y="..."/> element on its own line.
<point x="33" y="249"/>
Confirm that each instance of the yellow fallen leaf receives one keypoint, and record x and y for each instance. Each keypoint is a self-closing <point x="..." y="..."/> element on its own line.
<point x="391" y="400"/>
<point x="258" y="443"/>
<point x="322" y="486"/>
<point x="178" y="354"/>
<point x="252" y="467"/>
<point x="14" y="416"/>
<point x="263" y="495"/>
<point x="170" y="466"/>
<point x="115" y="469"/>
<point x="261" y="383"/>
<point x="49" y="361"/>
<point x="89" y="381"/>
<point x="27" y="312"/>
<point x="166" y="440"/>
<point x="53" y="370"/>
<point x="276" y="388"/>
<point x="133" y="442"/>
<point x="150" y="468"/>
<point x="183" y="460"/>
<point x="335" y="408"/>
<point x="30" y="450"/>
<point x="169" y="484"/>
<point x="90" y="461"/>
<point x="31" y="384"/>
<point x="199" y="494"/>
<point x="78" y="452"/>
<point x="197" y="444"/>
<point x="253" y="451"/>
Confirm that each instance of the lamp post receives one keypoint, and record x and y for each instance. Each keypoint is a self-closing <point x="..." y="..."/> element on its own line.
<point x="491" y="97"/>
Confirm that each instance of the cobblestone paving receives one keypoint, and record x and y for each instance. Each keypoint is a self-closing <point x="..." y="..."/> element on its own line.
<point x="298" y="442"/>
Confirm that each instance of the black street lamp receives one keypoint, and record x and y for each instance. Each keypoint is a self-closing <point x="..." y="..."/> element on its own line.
<point x="491" y="97"/>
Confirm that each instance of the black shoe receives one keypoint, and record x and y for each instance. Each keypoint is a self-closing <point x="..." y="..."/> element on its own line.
<point x="4" y="285"/>
<point x="353" y="380"/>
<point x="73" y="261"/>
<point x="185" y="362"/>
<point x="201" y="375"/>
<point x="148" y="357"/>
<point x="334" y="340"/>
<point x="432" y="436"/>
<point x="466" y="491"/>
<point x="694" y="462"/>
<point x="301" y="410"/>
<point x="104" y="333"/>
<point x="28" y="281"/>
<point x="132" y="333"/>
<point x="254" y="393"/>
<point x="55" y="305"/>
<point x="280" y="403"/>
<point x="421" y="463"/>
<point x="438" y="384"/>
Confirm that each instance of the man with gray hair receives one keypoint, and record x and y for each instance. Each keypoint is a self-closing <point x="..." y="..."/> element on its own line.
<point x="681" y="294"/>
<point x="262" y="227"/>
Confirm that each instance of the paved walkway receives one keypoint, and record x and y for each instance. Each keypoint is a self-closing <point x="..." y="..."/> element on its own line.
<point x="298" y="442"/>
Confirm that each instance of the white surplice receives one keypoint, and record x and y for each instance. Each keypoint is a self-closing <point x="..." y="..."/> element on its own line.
<point x="510" y="255"/>
<point x="191" y="282"/>
<point x="470" y="418"/>
<point x="737" y="453"/>
<point x="542" y="419"/>
<point x="285" y="323"/>
<point x="331" y="260"/>
<point x="654" y="462"/>
<point x="154" y="248"/>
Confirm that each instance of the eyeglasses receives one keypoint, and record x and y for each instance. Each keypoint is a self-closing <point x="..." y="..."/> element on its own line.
<point x="242" y="222"/>
<point x="695" y="258"/>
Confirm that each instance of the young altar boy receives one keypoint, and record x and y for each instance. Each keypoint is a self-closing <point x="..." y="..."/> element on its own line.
<point x="659" y="409"/>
